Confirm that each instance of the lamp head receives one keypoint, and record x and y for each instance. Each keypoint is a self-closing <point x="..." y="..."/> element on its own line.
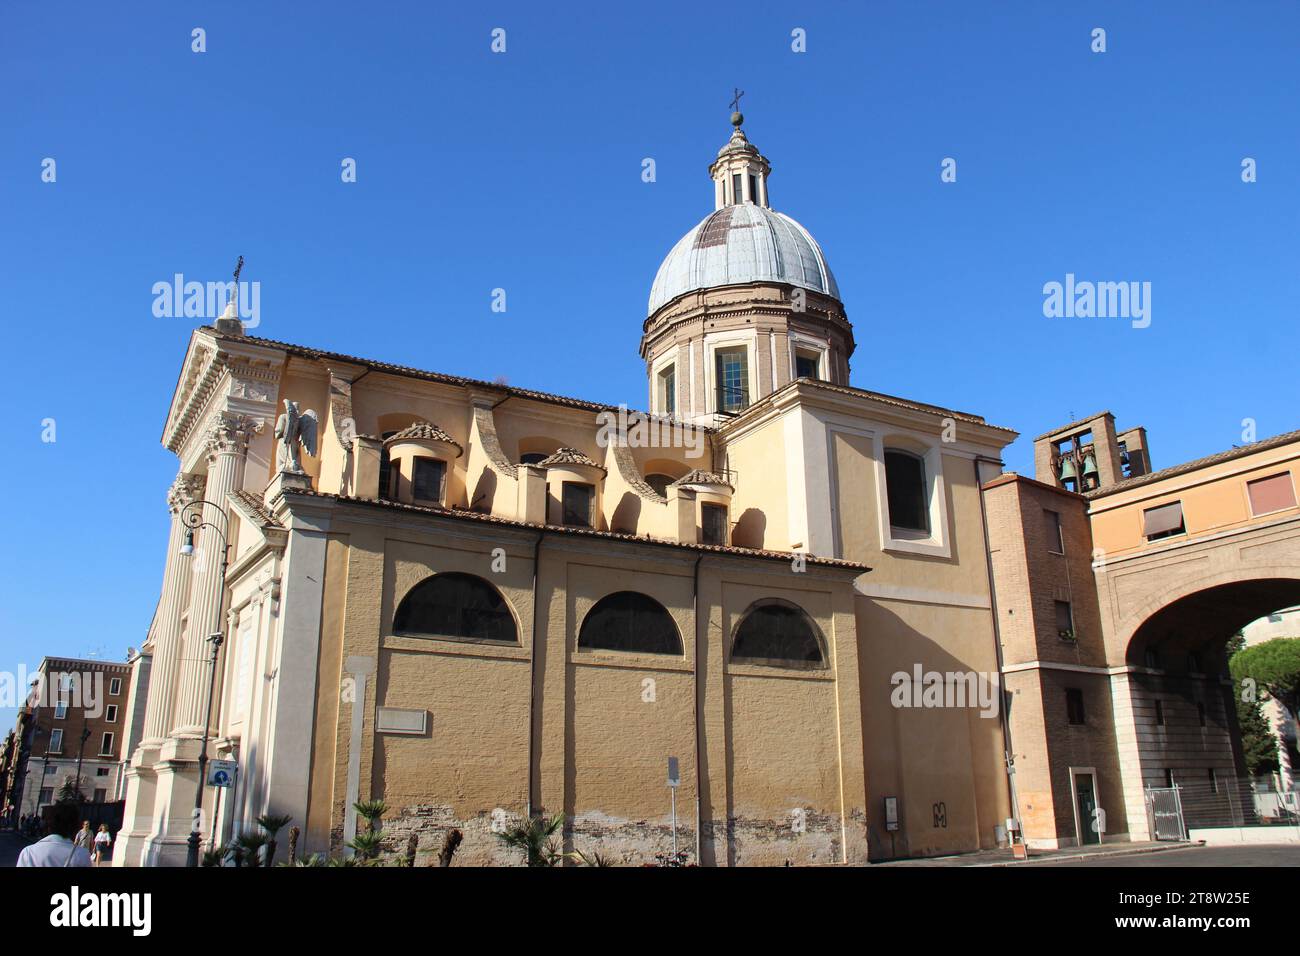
<point x="187" y="546"/>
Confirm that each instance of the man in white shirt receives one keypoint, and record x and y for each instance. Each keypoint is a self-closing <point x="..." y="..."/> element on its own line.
<point x="57" y="849"/>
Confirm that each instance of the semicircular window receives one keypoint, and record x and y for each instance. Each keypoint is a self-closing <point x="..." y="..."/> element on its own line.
<point x="777" y="633"/>
<point x="628" y="621"/>
<point x="456" y="606"/>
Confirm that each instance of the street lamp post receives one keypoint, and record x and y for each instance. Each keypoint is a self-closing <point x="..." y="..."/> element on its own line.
<point x="192" y="854"/>
<point x="81" y="751"/>
<point x="192" y="516"/>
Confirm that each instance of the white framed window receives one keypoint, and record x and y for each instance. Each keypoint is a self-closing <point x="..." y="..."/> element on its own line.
<point x="115" y="686"/>
<point x="730" y="370"/>
<point x="106" y="744"/>
<point x="809" y="358"/>
<point x="56" y="742"/>
<point x="913" y="512"/>
<point x="61" y="710"/>
<point x="665" y="384"/>
<point x="731" y="379"/>
<point x="110" y="714"/>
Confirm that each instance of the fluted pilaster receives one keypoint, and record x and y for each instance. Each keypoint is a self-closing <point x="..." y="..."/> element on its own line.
<point x="171" y="604"/>
<point x="227" y="446"/>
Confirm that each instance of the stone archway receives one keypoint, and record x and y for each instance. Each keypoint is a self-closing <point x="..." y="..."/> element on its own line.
<point x="1174" y="704"/>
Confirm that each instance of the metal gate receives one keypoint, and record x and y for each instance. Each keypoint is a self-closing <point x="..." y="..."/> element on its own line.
<point x="1165" y="806"/>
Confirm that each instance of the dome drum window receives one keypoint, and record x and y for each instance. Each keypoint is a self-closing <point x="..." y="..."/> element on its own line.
<point x="731" y="379"/>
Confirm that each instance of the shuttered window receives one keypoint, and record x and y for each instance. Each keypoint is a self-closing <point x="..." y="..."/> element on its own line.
<point x="1163" y="521"/>
<point x="577" y="500"/>
<point x="428" y="478"/>
<point x="1274" y="493"/>
<point x="713" y="524"/>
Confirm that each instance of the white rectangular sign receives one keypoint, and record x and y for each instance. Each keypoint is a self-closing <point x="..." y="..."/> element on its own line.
<point x="221" y="773"/>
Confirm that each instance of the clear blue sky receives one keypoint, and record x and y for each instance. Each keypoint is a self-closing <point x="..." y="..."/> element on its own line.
<point x="522" y="171"/>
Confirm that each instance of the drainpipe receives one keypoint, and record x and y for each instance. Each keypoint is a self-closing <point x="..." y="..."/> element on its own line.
<point x="532" y="680"/>
<point x="1009" y="751"/>
<point x="699" y="729"/>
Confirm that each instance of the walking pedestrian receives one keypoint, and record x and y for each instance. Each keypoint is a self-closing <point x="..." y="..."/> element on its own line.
<point x="103" y="843"/>
<point x="85" y="837"/>
<point x="57" y="849"/>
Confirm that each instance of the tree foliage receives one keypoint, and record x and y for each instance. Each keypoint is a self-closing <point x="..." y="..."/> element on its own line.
<point x="1274" y="667"/>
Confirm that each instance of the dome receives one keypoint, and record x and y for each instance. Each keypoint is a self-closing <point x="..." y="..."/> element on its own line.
<point x="743" y="242"/>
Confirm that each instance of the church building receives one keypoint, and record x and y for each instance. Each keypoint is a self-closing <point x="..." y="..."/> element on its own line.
<point x="478" y="603"/>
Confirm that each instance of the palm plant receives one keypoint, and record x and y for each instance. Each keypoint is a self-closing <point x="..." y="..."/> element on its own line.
<point x="272" y="823"/>
<point x="372" y="810"/>
<point x="315" y="860"/>
<point x="449" y="845"/>
<point x="250" y="844"/>
<point x="595" y="858"/>
<point x="293" y="845"/>
<point x="366" y="845"/>
<point x="536" y="837"/>
<point x="214" y="856"/>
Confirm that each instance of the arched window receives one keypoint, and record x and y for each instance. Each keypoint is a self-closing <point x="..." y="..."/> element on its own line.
<point x="628" y="621"/>
<point x="906" y="491"/>
<point x="457" y="607"/>
<point x="777" y="633"/>
<point x="533" y="458"/>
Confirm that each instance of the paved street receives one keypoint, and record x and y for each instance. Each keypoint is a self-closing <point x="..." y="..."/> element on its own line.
<point x="1215" y="856"/>
<point x="11" y="844"/>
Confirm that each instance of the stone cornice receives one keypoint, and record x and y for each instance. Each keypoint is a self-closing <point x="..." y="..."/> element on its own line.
<point x="744" y="301"/>
<point x="250" y="376"/>
<point x="868" y="408"/>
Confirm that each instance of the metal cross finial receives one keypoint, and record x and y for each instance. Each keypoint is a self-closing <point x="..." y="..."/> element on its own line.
<point x="735" y="102"/>
<point x="239" y="267"/>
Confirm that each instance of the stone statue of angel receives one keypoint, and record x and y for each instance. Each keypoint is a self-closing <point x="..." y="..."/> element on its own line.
<point x="293" y="428"/>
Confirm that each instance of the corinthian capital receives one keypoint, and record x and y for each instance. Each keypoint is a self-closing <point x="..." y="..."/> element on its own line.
<point x="184" y="489"/>
<point x="228" y="434"/>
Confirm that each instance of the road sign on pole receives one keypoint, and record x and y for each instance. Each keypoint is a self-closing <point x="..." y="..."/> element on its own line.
<point x="221" y="773"/>
<point x="674" y="781"/>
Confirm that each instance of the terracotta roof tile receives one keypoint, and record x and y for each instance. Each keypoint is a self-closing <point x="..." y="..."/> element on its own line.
<point x="257" y="508"/>
<point x="409" y="372"/>
<point x="568" y="456"/>
<point x="464" y="515"/>
<point x="1175" y="470"/>
<point x="698" y="476"/>
<point x="424" y="431"/>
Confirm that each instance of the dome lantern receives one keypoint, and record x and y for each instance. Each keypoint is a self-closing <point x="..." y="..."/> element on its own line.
<point x="740" y="172"/>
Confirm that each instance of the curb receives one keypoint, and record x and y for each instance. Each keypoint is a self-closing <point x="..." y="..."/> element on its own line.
<point x="1099" y="855"/>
